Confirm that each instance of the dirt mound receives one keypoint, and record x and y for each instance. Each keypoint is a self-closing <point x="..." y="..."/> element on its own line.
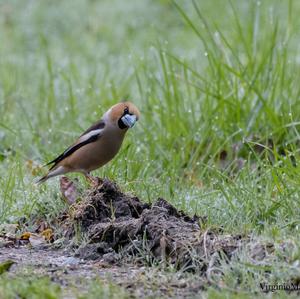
<point x="119" y="225"/>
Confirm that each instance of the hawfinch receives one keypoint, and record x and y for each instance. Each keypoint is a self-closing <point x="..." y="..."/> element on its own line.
<point x="97" y="145"/>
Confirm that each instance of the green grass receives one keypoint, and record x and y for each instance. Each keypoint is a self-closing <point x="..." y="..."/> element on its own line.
<point x="21" y="286"/>
<point x="210" y="78"/>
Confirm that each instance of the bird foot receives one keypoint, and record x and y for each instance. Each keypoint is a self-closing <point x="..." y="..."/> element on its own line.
<point x="94" y="181"/>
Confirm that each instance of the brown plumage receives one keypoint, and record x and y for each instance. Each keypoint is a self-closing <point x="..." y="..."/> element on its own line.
<point x="98" y="144"/>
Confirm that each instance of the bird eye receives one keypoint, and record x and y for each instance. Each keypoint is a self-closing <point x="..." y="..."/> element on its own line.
<point x="126" y="110"/>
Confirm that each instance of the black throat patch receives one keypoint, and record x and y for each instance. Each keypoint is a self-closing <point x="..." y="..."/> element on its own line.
<point x="121" y="124"/>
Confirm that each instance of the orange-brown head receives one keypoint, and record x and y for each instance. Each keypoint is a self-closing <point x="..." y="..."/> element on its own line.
<point x="124" y="114"/>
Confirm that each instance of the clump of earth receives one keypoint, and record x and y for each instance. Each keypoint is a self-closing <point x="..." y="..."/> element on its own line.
<point x="120" y="226"/>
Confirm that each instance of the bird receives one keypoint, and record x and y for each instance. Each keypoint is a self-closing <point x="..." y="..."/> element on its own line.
<point x="97" y="145"/>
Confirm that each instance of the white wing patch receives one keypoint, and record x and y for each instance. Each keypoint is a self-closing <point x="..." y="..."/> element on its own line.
<point x="89" y="135"/>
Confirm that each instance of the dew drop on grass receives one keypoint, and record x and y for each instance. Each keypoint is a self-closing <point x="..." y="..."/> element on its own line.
<point x="241" y="92"/>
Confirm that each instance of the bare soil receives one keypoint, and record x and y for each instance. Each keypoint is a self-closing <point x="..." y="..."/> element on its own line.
<point x="74" y="274"/>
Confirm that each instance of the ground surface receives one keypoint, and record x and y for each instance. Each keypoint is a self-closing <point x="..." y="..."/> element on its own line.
<point x="75" y="275"/>
<point x="149" y="250"/>
<point x="217" y="83"/>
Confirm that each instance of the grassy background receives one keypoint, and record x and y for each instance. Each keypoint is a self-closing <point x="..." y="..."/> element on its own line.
<point x="218" y="87"/>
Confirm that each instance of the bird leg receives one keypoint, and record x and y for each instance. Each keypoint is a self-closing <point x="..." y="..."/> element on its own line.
<point x="93" y="181"/>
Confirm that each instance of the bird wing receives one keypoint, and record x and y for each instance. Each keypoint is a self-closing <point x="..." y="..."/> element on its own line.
<point x="92" y="134"/>
<point x="97" y="126"/>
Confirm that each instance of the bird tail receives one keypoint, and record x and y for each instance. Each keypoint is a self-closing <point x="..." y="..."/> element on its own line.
<point x="57" y="171"/>
<point x="42" y="179"/>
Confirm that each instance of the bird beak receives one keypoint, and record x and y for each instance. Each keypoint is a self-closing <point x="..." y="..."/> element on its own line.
<point x="129" y="120"/>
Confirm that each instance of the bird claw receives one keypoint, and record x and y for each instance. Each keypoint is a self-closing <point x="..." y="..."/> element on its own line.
<point x="94" y="181"/>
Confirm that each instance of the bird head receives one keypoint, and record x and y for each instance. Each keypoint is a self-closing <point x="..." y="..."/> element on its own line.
<point x="124" y="115"/>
